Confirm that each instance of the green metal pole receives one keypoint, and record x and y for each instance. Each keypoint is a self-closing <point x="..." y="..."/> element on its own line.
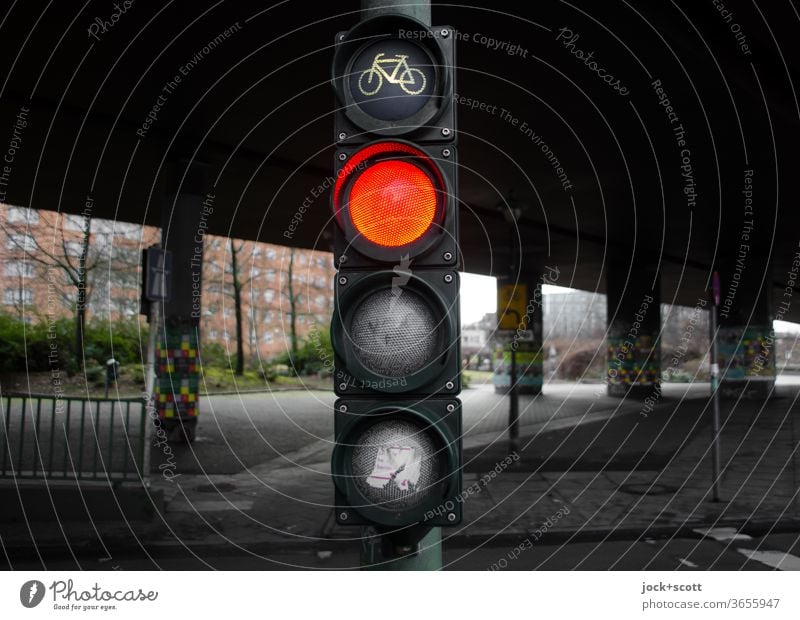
<point x="715" y="426"/>
<point x="428" y="554"/>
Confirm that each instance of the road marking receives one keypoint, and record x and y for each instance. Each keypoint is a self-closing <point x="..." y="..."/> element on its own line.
<point x="722" y="534"/>
<point x="775" y="559"/>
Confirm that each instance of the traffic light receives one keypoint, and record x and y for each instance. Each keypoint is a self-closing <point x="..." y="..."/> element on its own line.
<point x="395" y="330"/>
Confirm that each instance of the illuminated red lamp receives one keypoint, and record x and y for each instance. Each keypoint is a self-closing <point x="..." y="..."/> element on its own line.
<point x="389" y="199"/>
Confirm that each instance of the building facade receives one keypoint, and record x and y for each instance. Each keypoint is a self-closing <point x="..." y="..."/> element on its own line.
<point x="283" y="290"/>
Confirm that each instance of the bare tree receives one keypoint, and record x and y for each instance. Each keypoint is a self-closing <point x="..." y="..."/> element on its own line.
<point x="237" y="305"/>
<point x="58" y="252"/>
<point x="292" y="299"/>
<point x="233" y="280"/>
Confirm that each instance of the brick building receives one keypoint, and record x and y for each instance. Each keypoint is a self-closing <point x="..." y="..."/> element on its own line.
<point x="42" y="259"/>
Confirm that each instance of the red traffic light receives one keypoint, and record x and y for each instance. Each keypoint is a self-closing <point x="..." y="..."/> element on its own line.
<point x="389" y="200"/>
<point x="393" y="203"/>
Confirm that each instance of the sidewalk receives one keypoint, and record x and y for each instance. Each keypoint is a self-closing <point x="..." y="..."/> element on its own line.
<point x="285" y="503"/>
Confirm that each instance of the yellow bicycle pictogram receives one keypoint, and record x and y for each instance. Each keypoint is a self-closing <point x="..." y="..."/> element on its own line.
<point x="410" y="79"/>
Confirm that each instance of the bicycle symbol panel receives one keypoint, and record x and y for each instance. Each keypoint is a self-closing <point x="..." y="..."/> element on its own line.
<point x="410" y="79"/>
<point x="392" y="80"/>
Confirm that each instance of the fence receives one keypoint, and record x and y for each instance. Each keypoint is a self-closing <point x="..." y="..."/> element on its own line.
<point x="72" y="438"/>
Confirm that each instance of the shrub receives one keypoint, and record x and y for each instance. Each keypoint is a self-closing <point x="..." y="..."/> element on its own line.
<point x="29" y="347"/>
<point x="583" y="364"/>
<point x="314" y="356"/>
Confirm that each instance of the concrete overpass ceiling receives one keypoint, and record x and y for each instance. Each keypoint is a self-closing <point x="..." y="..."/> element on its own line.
<point x="593" y="164"/>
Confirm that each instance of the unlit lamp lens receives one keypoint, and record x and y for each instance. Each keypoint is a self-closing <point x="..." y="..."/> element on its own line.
<point x="396" y="465"/>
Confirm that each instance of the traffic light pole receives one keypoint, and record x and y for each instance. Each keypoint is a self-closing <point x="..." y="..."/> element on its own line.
<point x="418" y="9"/>
<point x="513" y="391"/>
<point x="715" y="458"/>
<point x="428" y="554"/>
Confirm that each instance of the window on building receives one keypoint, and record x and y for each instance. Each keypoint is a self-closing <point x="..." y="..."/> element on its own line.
<point x="74" y="248"/>
<point x="19" y="269"/>
<point x="22" y="214"/>
<point x="16" y="296"/>
<point x="269" y="295"/>
<point x="269" y="338"/>
<point x="20" y="242"/>
<point x="74" y="222"/>
<point x="271" y="254"/>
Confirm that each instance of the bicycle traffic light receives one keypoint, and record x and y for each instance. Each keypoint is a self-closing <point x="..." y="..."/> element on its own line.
<point x="396" y="328"/>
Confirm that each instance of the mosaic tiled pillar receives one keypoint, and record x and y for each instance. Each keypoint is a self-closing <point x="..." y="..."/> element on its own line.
<point x="177" y="374"/>
<point x="187" y="215"/>
<point x="634" y="321"/>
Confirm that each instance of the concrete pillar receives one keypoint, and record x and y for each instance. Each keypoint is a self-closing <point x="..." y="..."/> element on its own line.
<point x="746" y="341"/>
<point x="634" y="322"/>
<point x="188" y="208"/>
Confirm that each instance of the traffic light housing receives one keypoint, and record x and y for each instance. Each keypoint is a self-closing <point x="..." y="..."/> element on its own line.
<point x="395" y="330"/>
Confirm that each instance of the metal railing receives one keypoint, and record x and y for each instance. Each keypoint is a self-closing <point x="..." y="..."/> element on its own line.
<point x="72" y="438"/>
